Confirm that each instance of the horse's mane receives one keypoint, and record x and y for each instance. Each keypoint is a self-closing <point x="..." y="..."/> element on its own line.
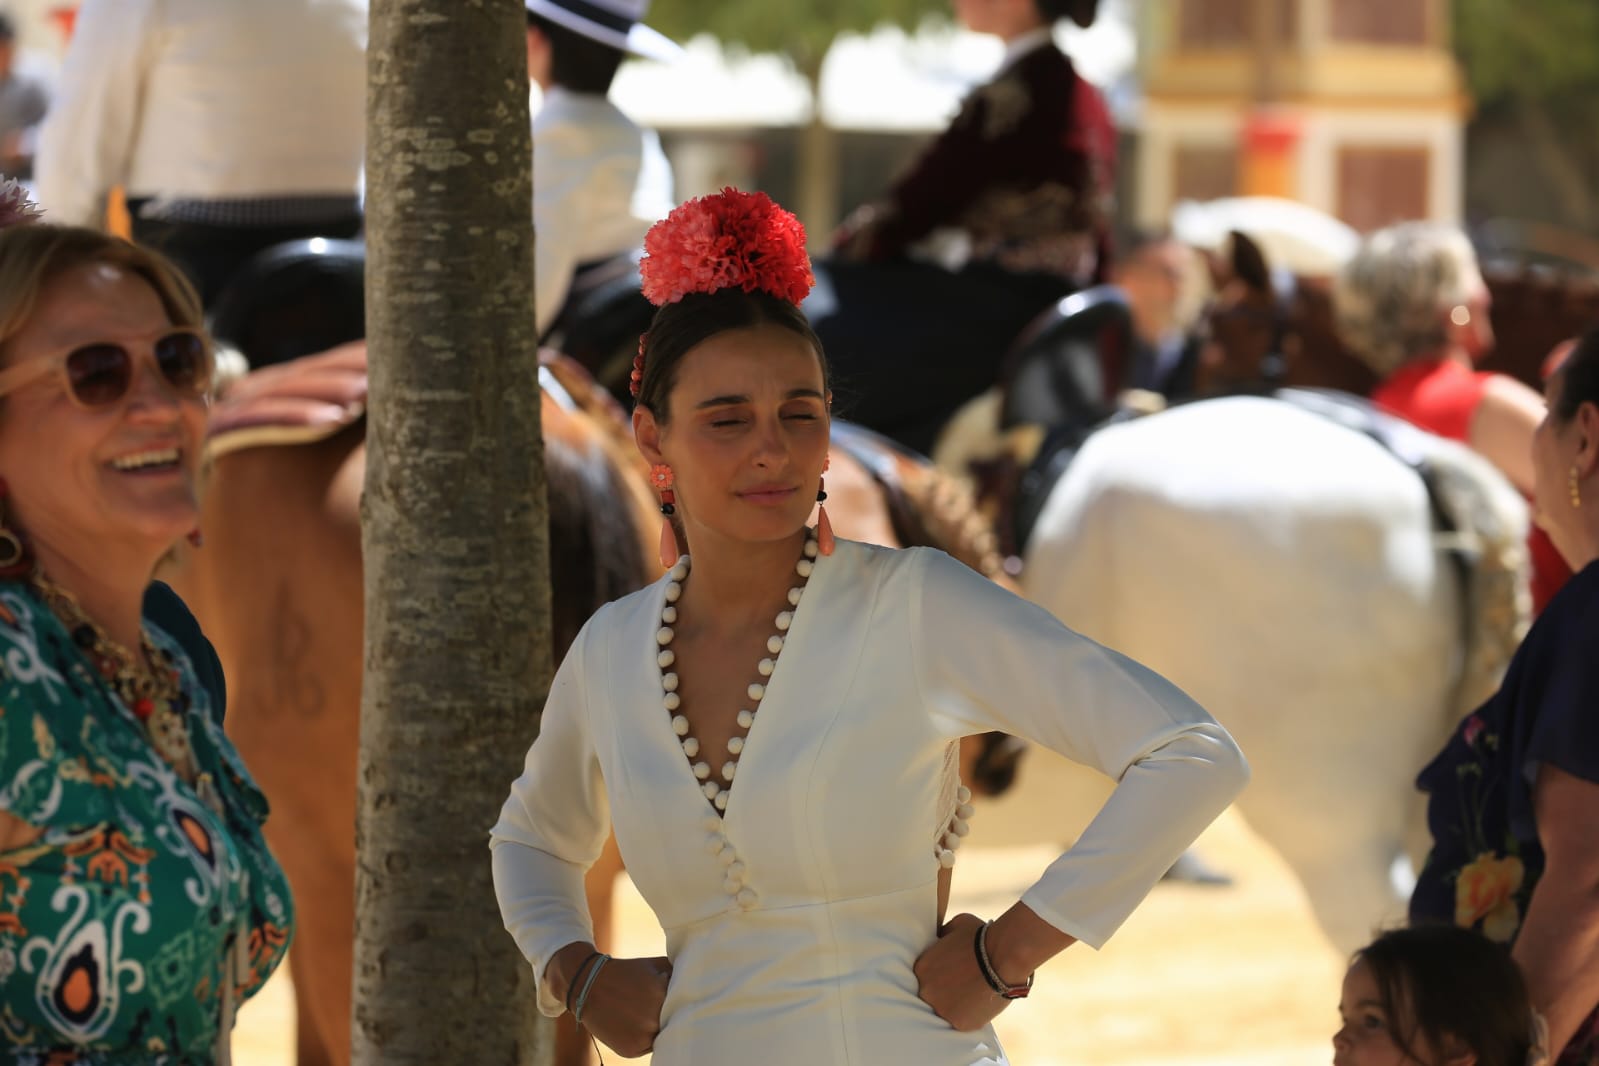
<point x="596" y="549"/>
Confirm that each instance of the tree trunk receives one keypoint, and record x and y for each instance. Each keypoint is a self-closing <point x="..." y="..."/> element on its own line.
<point x="454" y="533"/>
<point x="817" y="180"/>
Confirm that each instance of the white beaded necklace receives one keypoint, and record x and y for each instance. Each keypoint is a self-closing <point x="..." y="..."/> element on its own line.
<point x="718" y="792"/>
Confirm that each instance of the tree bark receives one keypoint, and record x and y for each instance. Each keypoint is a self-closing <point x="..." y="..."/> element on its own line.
<point x="454" y="533"/>
<point x="817" y="161"/>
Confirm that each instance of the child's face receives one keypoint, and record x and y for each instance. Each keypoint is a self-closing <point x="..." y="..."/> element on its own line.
<point x="1366" y="1038"/>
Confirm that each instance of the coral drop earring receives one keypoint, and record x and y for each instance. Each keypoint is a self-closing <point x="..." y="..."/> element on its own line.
<point x="663" y="479"/>
<point x="824" y="528"/>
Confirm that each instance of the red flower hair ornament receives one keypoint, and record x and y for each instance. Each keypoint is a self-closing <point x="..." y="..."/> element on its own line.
<point x="730" y="239"/>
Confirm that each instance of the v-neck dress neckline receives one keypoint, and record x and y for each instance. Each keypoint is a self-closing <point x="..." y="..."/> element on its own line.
<point x="686" y="772"/>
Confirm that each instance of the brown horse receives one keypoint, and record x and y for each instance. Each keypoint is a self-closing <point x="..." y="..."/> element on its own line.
<point x="278" y="589"/>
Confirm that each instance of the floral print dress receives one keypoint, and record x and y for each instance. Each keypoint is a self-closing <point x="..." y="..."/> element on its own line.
<point x="1486" y="857"/>
<point x="144" y="914"/>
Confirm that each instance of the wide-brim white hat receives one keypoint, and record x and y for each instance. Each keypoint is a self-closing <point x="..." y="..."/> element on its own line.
<point x="618" y="23"/>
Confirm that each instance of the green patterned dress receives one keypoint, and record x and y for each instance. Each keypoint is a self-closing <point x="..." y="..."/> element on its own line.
<point x="131" y="929"/>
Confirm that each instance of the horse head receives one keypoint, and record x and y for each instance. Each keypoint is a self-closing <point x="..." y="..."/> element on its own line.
<point x="1267" y="328"/>
<point x="1245" y="340"/>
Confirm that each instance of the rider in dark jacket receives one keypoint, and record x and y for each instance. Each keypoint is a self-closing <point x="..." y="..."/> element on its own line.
<point x="1007" y="211"/>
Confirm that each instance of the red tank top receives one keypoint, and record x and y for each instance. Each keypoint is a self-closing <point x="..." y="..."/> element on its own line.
<point x="1441" y="396"/>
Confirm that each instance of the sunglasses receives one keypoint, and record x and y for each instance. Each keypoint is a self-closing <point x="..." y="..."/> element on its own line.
<point x="98" y="375"/>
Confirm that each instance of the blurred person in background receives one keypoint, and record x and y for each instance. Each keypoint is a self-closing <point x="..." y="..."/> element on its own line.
<point x="23" y="101"/>
<point x="1007" y="211"/>
<point x="1151" y="270"/>
<point x="1513" y="798"/>
<point x="1413" y="305"/>
<point x="599" y="181"/>
<point x="231" y="125"/>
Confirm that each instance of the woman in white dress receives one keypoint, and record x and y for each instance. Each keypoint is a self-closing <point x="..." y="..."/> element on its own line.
<point x="771" y="729"/>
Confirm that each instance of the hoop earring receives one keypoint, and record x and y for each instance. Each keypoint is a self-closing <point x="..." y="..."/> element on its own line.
<point x="824" y="528"/>
<point x="663" y="479"/>
<point x="15" y="559"/>
<point x="1576" y="489"/>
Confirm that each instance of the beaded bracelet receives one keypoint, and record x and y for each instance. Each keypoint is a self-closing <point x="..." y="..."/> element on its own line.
<point x="583" y="996"/>
<point x="991" y="975"/>
<point x="577" y="975"/>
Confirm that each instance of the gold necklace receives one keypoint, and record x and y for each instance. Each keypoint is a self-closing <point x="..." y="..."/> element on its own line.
<point x="147" y="683"/>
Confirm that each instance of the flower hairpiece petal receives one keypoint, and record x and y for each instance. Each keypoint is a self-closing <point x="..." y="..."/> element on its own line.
<point x="731" y="239"/>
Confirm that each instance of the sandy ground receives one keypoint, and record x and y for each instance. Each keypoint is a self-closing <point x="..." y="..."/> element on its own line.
<point x="1199" y="976"/>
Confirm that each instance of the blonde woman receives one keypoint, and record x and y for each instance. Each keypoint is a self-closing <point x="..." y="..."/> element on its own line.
<point x="139" y="904"/>
<point x="1413" y="305"/>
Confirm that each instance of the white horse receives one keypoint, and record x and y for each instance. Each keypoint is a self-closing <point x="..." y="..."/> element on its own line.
<point x="1286" y="572"/>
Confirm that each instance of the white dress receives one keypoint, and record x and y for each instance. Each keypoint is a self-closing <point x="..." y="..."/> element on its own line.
<point x="804" y="957"/>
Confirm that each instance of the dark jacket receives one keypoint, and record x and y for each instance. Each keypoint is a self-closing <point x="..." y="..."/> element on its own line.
<point x="1025" y="172"/>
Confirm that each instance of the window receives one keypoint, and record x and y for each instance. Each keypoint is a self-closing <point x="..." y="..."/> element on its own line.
<point x="1230" y="23"/>
<point x="1387" y="22"/>
<point x="1381" y="185"/>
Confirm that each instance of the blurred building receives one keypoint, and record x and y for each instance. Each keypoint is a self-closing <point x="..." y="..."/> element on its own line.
<point x="1353" y="107"/>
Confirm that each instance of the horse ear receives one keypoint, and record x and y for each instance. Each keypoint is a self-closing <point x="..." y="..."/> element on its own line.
<point x="1216" y="268"/>
<point x="1249" y="263"/>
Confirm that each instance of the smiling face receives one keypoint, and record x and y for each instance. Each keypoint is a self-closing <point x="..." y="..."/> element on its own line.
<point x="746" y="434"/>
<point x="121" y="476"/>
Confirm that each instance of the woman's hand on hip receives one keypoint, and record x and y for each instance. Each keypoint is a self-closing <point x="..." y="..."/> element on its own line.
<point x="623" y="1008"/>
<point x="949" y="980"/>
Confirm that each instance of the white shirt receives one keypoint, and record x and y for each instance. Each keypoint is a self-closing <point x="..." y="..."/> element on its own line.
<point x="793" y="924"/>
<point x="205" y="100"/>
<point x="599" y="183"/>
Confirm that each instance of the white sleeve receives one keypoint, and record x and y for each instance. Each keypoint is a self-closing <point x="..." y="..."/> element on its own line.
<point x="988" y="660"/>
<point x="558" y="179"/>
<point x="551" y="829"/>
<point x="653" y="198"/>
<point x="87" y="139"/>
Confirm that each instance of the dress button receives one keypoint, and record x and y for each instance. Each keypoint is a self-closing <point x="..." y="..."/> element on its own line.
<point x="728" y="856"/>
<point x="746" y="898"/>
<point x="715" y="843"/>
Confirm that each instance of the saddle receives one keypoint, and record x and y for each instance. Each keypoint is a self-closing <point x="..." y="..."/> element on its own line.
<point x="1068" y="366"/>
<point x="884" y="459"/>
<point x="292" y="299"/>
<point x="299" y="402"/>
<point x="600" y="323"/>
<point x="311" y="398"/>
<point x="925" y="507"/>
